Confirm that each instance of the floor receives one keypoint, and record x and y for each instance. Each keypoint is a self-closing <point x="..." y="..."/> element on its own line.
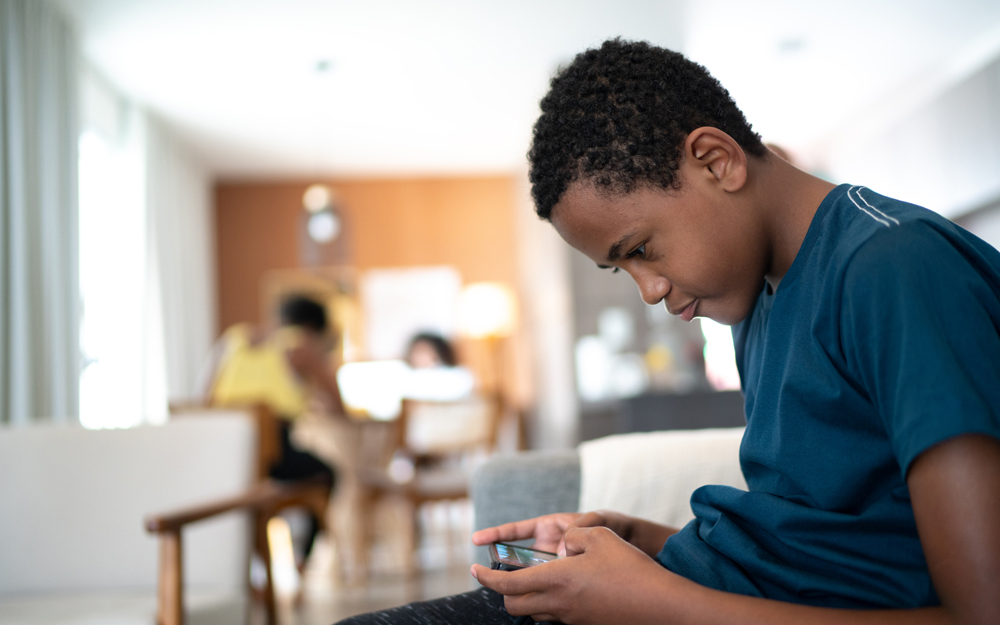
<point x="326" y="605"/>
<point x="444" y="558"/>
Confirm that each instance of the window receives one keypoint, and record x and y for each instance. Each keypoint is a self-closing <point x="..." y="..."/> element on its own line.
<point x="118" y="382"/>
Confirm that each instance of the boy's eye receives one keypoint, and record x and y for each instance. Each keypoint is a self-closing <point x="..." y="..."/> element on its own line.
<point x="639" y="251"/>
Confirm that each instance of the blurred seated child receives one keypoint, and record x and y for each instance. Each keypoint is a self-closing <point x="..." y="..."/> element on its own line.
<point x="435" y="374"/>
<point x="283" y="368"/>
<point x="428" y="350"/>
<point x="446" y="411"/>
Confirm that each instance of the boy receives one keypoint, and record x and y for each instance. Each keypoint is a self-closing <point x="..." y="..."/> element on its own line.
<point x="867" y="335"/>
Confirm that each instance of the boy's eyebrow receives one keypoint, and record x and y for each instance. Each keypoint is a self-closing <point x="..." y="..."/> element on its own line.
<point x="616" y="250"/>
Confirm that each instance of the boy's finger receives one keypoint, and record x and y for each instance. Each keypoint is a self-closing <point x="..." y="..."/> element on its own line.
<point x="535" y="604"/>
<point x="579" y="539"/>
<point x="508" y="531"/>
<point x="590" y="519"/>
<point x="506" y="582"/>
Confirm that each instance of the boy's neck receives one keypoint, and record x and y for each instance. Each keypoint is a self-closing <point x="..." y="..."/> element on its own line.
<point x="788" y="198"/>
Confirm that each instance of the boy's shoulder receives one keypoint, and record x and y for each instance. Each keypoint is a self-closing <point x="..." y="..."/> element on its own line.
<point x="866" y="233"/>
<point x="858" y="217"/>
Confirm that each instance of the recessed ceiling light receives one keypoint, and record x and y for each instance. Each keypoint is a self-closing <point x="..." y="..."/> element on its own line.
<point x="791" y="45"/>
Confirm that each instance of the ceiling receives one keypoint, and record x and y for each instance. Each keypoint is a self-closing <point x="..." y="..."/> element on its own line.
<point x="278" y="88"/>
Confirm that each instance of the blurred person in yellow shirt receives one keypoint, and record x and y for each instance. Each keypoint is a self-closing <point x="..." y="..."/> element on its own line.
<point x="284" y="368"/>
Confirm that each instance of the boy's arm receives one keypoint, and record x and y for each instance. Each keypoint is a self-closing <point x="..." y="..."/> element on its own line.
<point x="649" y="537"/>
<point x="955" y="489"/>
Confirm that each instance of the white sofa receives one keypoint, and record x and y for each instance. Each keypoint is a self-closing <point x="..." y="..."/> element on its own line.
<point x="73" y="546"/>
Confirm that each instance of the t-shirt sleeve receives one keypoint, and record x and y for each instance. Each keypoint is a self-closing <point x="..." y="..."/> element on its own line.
<point x="921" y="326"/>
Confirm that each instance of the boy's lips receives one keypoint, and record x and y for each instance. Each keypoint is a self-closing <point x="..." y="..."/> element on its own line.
<point x="687" y="313"/>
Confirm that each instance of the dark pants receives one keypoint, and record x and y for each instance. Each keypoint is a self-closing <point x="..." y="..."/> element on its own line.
<point x="478" y="607"/>
<point x="296" y="465"/>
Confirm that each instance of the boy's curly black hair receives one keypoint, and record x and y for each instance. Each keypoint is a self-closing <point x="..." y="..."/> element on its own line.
<point x="618" y="115"/>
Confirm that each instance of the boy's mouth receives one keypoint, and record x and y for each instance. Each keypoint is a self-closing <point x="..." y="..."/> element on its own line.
<point x="687" y="313"/>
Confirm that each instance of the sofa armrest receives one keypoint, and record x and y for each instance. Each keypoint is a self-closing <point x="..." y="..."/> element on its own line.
<point x="522" y="486"/>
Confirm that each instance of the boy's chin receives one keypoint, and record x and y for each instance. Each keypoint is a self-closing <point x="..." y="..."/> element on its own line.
<point x="727" y="316"/>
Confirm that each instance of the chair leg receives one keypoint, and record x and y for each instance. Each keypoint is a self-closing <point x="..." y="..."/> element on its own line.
<point x="413" y="563"/>
<point x="364" y="534"/>
<point x="170" y="605"/>
<point x="319" y="505"/>
<point x="449" y="542"/>
<point x="263" y="549"/>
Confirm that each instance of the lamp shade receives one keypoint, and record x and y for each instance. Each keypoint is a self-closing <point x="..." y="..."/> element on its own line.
<point x="487" y="309"/>
<point x="316" y="198"/>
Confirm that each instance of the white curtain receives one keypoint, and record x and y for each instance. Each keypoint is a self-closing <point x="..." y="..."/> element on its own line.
<point x="149" y="313"/>
<point x="181" y="239"/>
<point x="39" y="296"/>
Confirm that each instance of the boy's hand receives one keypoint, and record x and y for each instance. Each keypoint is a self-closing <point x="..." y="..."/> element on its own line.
<point x="601" y="575"/>
<point x="549" y="530"/>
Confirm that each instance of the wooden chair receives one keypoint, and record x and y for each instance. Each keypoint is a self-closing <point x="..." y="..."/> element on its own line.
<point x="271" y="496"/>
<point x="312" y="496"/>
<point x="439" y="440"/>
<point x="263" y="501"/>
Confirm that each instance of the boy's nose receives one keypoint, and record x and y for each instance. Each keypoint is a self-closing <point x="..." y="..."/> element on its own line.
<point x="652" y="288"/>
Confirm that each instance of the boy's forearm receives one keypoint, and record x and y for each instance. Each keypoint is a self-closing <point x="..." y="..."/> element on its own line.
<point x="649" y="537"/>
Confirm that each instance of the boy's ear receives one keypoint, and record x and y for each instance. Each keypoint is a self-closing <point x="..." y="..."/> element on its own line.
<point x="717" y="155"/>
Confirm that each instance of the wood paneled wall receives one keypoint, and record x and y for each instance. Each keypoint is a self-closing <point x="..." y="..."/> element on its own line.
<point x="466" y="222"/>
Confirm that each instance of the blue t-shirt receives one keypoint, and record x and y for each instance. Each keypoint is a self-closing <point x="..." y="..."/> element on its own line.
<point x="883" y="339"/>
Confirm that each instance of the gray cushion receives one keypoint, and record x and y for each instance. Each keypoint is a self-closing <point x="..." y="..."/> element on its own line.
<point x="524" y="485"/>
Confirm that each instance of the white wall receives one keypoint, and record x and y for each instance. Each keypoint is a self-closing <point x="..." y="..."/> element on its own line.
<point x="985" y="224"/>
<point x="547" y="302"/>
<point x="944" y="154"/>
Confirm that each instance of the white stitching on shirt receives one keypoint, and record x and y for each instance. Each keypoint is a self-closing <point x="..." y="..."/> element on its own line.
<point x="889" y="217"/>
<point x="863" y="209"/>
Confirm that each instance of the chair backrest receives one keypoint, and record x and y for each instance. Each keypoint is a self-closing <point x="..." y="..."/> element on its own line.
<point x="72" y="503"/>
<point x="441" y="428"/>
<point x="268" y="435"/>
